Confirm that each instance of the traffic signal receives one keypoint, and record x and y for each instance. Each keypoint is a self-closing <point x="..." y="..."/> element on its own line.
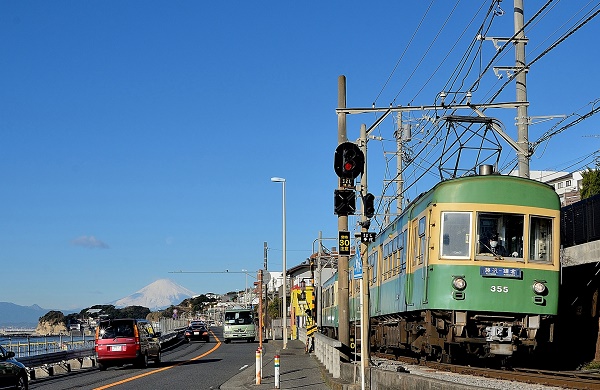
<point x="348" y="160"/>
<point x="344" y="202"/>
<point x="369" y="205"/>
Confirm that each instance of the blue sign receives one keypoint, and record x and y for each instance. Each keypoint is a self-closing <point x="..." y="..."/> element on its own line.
<point x="358" y="274"/>
<point x="501" y="272"/>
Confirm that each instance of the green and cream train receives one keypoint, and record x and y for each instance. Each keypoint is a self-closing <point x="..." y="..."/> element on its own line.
<point x="470" y="268"/>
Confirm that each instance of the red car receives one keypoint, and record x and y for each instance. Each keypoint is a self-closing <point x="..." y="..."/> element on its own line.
<point x="123" y="341"/>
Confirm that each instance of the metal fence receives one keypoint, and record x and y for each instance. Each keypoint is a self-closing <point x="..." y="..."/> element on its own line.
<point x="580" y="222"/>
<point x="25" y="346"/>
<point x="33" y="345"/>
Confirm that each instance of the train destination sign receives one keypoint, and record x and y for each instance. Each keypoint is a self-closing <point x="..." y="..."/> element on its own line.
<point x="501" y="272"/>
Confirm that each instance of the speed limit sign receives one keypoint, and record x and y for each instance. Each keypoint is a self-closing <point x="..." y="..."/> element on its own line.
<point x="344" y="243"/>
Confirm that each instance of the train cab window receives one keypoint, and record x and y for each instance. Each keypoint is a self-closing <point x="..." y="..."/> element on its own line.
<point x="456" y="228"/>
<point x="540" y="239"/>
<point x="500" y="235"/>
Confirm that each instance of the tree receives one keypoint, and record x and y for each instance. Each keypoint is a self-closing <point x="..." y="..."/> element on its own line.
<point x="134" y="312"/>
<point x="590" y="184"/>
<point x="53" y="317"/>
<point x="273" y="308"/>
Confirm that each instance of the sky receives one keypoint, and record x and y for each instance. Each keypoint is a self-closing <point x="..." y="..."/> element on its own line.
<point x="139" y="138"/>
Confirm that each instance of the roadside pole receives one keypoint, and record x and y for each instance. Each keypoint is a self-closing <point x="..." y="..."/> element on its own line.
<point x="364" y="290"/>
<point x="260" y="309"/>
<point x="343" y="291"/>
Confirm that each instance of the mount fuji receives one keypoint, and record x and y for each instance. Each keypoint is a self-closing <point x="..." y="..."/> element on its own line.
<point x="157" y="295"/>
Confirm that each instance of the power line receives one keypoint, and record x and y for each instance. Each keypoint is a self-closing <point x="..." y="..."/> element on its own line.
<point x="404" y="52"/>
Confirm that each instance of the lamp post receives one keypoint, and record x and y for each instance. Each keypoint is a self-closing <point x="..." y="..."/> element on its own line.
<point x="246" y="288"/>
<point x="282" y="181"/>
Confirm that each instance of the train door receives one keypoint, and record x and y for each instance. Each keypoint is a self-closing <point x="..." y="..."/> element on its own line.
<point x="374" y="284"/>
<point x="413" y="260"/>
<point x="424" y="236"/>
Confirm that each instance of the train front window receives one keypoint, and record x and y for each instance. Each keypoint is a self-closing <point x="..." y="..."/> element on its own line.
<point x="540" y="239"/>
<point x="500" y="235"/>
<point x="456" y="228"/>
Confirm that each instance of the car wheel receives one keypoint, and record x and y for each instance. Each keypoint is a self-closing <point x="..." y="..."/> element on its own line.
<point x="22" y="383"/>
<point x="227" y="341"/>
<point x="102" y="366"/>
<point x="143" y="361"/>
<point x="158" y="357"/>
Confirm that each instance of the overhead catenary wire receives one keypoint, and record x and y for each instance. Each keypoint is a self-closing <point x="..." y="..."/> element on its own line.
<point x="404" y="52"/>
<point x="550" y="48"/>
<point x="421" y="158"/>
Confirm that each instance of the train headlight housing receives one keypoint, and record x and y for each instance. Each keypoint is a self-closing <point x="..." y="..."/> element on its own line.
<point x="459" y="283"/>
<point x="539" y="288"/>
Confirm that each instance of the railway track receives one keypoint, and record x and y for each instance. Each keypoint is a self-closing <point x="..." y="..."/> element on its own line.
<point x="585" y="380"/>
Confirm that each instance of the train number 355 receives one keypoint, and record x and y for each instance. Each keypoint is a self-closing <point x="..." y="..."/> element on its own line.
<point x="499" y="289"/>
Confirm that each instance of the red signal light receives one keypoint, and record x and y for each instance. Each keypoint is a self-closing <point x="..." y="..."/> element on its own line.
<point x="348" y="160"/>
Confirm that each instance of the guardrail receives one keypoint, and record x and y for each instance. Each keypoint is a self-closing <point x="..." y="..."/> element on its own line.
<point x="48" y="362"/>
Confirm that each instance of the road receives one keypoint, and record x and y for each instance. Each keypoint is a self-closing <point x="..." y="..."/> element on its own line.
<point x="197" y="365"/>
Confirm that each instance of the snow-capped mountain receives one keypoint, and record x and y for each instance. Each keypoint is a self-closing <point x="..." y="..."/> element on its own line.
<point x="157" y="295"/>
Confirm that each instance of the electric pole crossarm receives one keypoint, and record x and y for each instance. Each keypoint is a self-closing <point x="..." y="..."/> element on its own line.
<point x="389" y="110"/>
<point x="502" y="134"/>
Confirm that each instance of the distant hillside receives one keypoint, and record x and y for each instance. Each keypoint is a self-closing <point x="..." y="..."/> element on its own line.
<point x="20" y="316"/>
<point x="157" y="295"/>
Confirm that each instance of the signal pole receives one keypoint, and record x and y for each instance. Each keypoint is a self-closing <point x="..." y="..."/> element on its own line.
<point x="364" y="287"/>
<point x="343" y="292"/>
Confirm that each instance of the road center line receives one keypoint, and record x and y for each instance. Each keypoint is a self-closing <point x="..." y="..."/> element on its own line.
<point x="162" y="369"/>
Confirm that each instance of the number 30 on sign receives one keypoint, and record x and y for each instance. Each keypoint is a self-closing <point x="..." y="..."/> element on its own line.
<point x="344" y="243"/>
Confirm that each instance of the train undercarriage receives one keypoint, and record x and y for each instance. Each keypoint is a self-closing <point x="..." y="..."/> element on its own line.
<point x="457" y="336"/>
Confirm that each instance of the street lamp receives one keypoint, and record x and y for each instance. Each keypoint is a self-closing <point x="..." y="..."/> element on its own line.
<point x="282" y="181"/>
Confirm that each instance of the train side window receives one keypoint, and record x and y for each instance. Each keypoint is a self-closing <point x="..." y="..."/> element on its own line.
<point x="373" y="267"/>
<point x="456" y="230"/>
<point x="540" y="239"/>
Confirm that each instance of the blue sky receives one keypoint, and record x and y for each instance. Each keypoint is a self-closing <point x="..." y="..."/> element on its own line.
<point x="139" y="138"/>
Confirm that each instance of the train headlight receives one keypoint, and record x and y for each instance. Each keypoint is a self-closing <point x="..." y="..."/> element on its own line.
<point x="459" y="283"/>
<point x="539" y="288"/>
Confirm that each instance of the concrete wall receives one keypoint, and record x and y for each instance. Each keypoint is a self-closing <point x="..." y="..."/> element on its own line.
<point x="581" y="254"/>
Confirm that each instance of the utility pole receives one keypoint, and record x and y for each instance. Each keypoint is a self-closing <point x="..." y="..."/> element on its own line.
<point x="260" y="308"/>
<point x="364" y="287"/>
<point x="266" y="305"/>
<point x="343" y="292"/>
<point x="521" y="85"/>
<point x="400" y="137"/>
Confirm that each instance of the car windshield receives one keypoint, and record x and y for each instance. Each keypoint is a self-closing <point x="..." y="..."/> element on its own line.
<point x="239" y="318"/>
